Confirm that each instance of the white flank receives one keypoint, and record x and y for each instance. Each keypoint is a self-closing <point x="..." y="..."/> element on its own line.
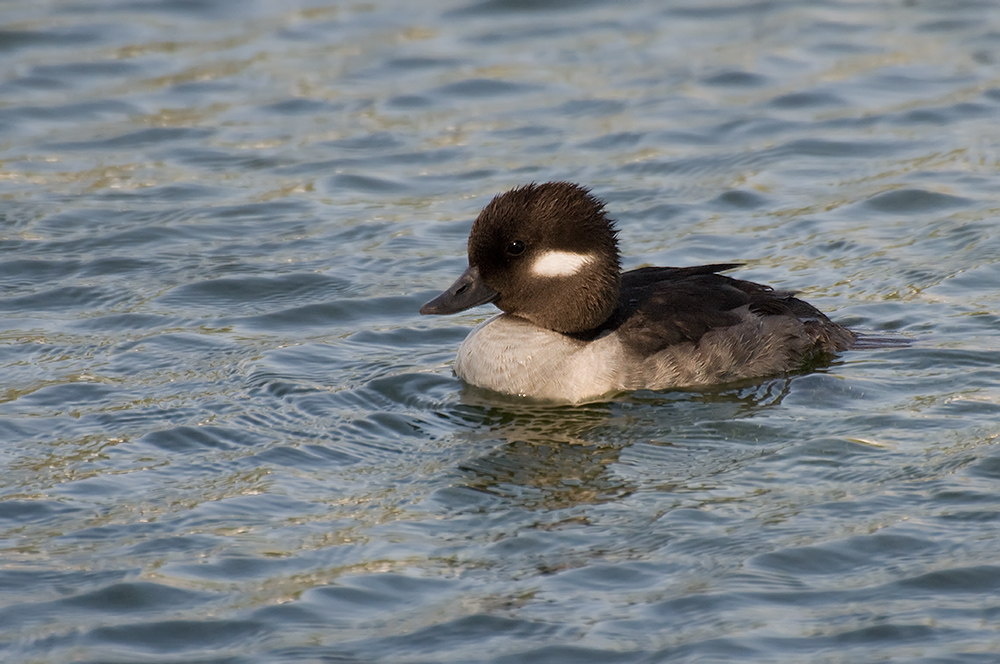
<point x="560" y="263"/>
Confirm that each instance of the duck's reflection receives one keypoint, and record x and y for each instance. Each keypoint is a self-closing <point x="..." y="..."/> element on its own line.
<point x="553" y="457"/>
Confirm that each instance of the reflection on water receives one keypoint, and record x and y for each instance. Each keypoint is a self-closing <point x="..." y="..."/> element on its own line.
<point x="547" y="458"/>
<point x="555" y="457"/>
<point x="538" y="475"/>
<point x="226" y="434"/>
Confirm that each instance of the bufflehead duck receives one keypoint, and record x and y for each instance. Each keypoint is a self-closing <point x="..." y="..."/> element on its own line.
<point x="575" y="328"/>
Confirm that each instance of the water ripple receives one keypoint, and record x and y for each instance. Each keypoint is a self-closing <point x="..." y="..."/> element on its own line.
<point x="228" y="435"/>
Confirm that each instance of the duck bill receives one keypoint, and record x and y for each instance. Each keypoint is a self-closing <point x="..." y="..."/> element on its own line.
<point x="468" y="291"/>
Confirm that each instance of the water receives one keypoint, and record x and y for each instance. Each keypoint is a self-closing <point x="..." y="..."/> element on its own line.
<point x="227" y="436"/>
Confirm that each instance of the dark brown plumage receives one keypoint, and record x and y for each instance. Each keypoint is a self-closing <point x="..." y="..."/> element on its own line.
<point x="662" y="306"/>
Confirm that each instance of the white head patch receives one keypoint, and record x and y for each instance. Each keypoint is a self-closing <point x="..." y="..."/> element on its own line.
<point x="560" y="263"/>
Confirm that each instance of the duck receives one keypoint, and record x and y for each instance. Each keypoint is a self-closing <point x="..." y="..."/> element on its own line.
<point x="574" y="328"/>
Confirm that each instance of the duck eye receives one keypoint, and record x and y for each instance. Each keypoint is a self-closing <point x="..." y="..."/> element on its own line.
<point x="515" y="248"/>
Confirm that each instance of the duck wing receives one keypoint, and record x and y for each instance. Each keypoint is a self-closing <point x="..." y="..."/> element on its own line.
<point x="663" y="306"/>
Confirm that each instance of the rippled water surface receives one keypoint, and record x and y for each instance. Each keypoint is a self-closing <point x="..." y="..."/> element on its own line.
<point x="226" y="435"/>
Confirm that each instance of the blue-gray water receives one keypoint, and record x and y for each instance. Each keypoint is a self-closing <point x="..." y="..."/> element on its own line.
<point x="227" y="436"/>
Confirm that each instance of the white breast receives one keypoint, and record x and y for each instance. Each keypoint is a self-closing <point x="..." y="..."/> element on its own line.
<point x="510" y="355"/>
